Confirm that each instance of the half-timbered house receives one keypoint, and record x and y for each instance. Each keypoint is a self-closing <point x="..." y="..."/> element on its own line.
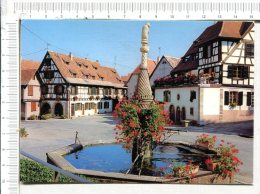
<point x="214" y="81"/>
<point x="30" y="90"/>
<point x="73" y="86"/>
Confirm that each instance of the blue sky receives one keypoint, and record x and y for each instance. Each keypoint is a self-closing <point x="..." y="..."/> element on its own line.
<point x="110" y="42"/>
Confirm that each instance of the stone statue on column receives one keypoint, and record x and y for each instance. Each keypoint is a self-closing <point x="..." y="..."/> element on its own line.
<point x="143" y="89"/>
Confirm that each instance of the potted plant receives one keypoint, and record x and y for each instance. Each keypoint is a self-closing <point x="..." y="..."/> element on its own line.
<point x="228" y="161"/>
<point x="206" y="141"/>
<point x="232" y="105"/>
<point x="211" y="164"/>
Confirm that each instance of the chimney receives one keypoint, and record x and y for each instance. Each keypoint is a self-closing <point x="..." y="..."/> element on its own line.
<point x="158" y="59"/>
<point x="97" y="61"/>
<point x="71" y="56"/>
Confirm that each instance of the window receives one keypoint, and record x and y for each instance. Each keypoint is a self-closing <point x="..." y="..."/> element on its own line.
<point x="167" y="96"/>
<point x="249" y="50"/>
<point x="234" y="98"/>
<point x="74" y="90"/>
<point x="87" y="107"/>
<point x="238" y="72"/>
<point x="33" y="106"/>
<point x="250" y="99"/>
<point x="99" y="105"/>
<point x="94" y="91"/>
<point x="78" y="106"/>
<point x="192" y="95"/>
<point x="66" y="62"/>
<point x="92" y="105"/>
<point x="205" y="52"/>
<point x="209" y="51"/>
<point x="58" y="89"/>
<point x="79" y="64"/>
<point x="30" y="90"/>
<point x="191" y="111"/>
<point x="106" y="105"/>
<point x="44" y="90"/>
<point x="48" y="74"/>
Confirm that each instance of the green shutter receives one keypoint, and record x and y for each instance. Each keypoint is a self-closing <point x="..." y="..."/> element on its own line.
<point x="226" y="99"/>
<point x="240" y="99"/>
<point x="249" y="99"/>
<point x="245" y="72"/>
<point x="230" y="71"/>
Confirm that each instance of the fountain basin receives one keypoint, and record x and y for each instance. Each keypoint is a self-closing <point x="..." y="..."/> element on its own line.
<point x="109" y="163"/>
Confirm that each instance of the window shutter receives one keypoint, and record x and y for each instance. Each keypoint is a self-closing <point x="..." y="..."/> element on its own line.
<point x="226" y="100"/>
<point x="249" y="99"/>
<point x="76" y="90"/>
<point x="230" y="71"/>
<point x="33" y="106"/>
<point x="245" y="72"/>
<point x="240" y="99"/>
<point x="30" y="90"/>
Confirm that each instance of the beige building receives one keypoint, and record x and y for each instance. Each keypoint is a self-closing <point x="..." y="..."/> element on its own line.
<point x="30" y="89"/>
<point x="214" y="81"/>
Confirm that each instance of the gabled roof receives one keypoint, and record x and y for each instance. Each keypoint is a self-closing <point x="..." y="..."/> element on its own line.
<point x="28" y="70"/>
<point x="224" y="29"/>
<point x="172" y="61"/>
<point x="84" y="71"/>
<point x="125" y="78"/>
<point x="151" y="64"/>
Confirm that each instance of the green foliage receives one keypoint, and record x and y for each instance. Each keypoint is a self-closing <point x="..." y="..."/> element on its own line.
<point x="63" y="117"/>
<point x="23" y="132"/>
<point x="47" y="116"/>
<point x="32" y="172"/>
<point x="33" y="117"/>
<point x="145" y="124"/>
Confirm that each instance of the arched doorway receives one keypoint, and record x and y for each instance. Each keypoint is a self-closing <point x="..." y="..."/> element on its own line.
<point x="178" y="115"/>
<point x="58" y="110"/>
<point x="183" y="113"/>
<point x="45" y="108"/>
<point x="172" y="113"/>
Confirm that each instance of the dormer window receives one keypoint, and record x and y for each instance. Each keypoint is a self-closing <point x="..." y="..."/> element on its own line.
<point x="73" y="74"/>
<point x="95" y="67"/>
<point x="93" y="77"/>
<point x="79" y="64"/>
<point x="66" y="62"/>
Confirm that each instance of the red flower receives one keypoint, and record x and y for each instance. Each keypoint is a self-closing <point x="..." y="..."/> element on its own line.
<point x="208" y="161"/>
<point x="234" y="150"/>
<point x="187" y="167"/>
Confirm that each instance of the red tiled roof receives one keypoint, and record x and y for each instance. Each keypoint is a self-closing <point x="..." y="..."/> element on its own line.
<point x="79" y="68"/>
<point x="225" y="29"/>
<point x="125" y="78"/>
<point x="28" y="70"/>
<point x="151" y="64"/>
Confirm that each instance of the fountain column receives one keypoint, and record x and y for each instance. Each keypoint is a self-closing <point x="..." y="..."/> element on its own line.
<point x="144" y="92"/>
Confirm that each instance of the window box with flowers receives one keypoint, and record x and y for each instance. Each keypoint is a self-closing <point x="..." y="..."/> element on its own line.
<point x="206" y="141"/>
<point x="182" y="171"/>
